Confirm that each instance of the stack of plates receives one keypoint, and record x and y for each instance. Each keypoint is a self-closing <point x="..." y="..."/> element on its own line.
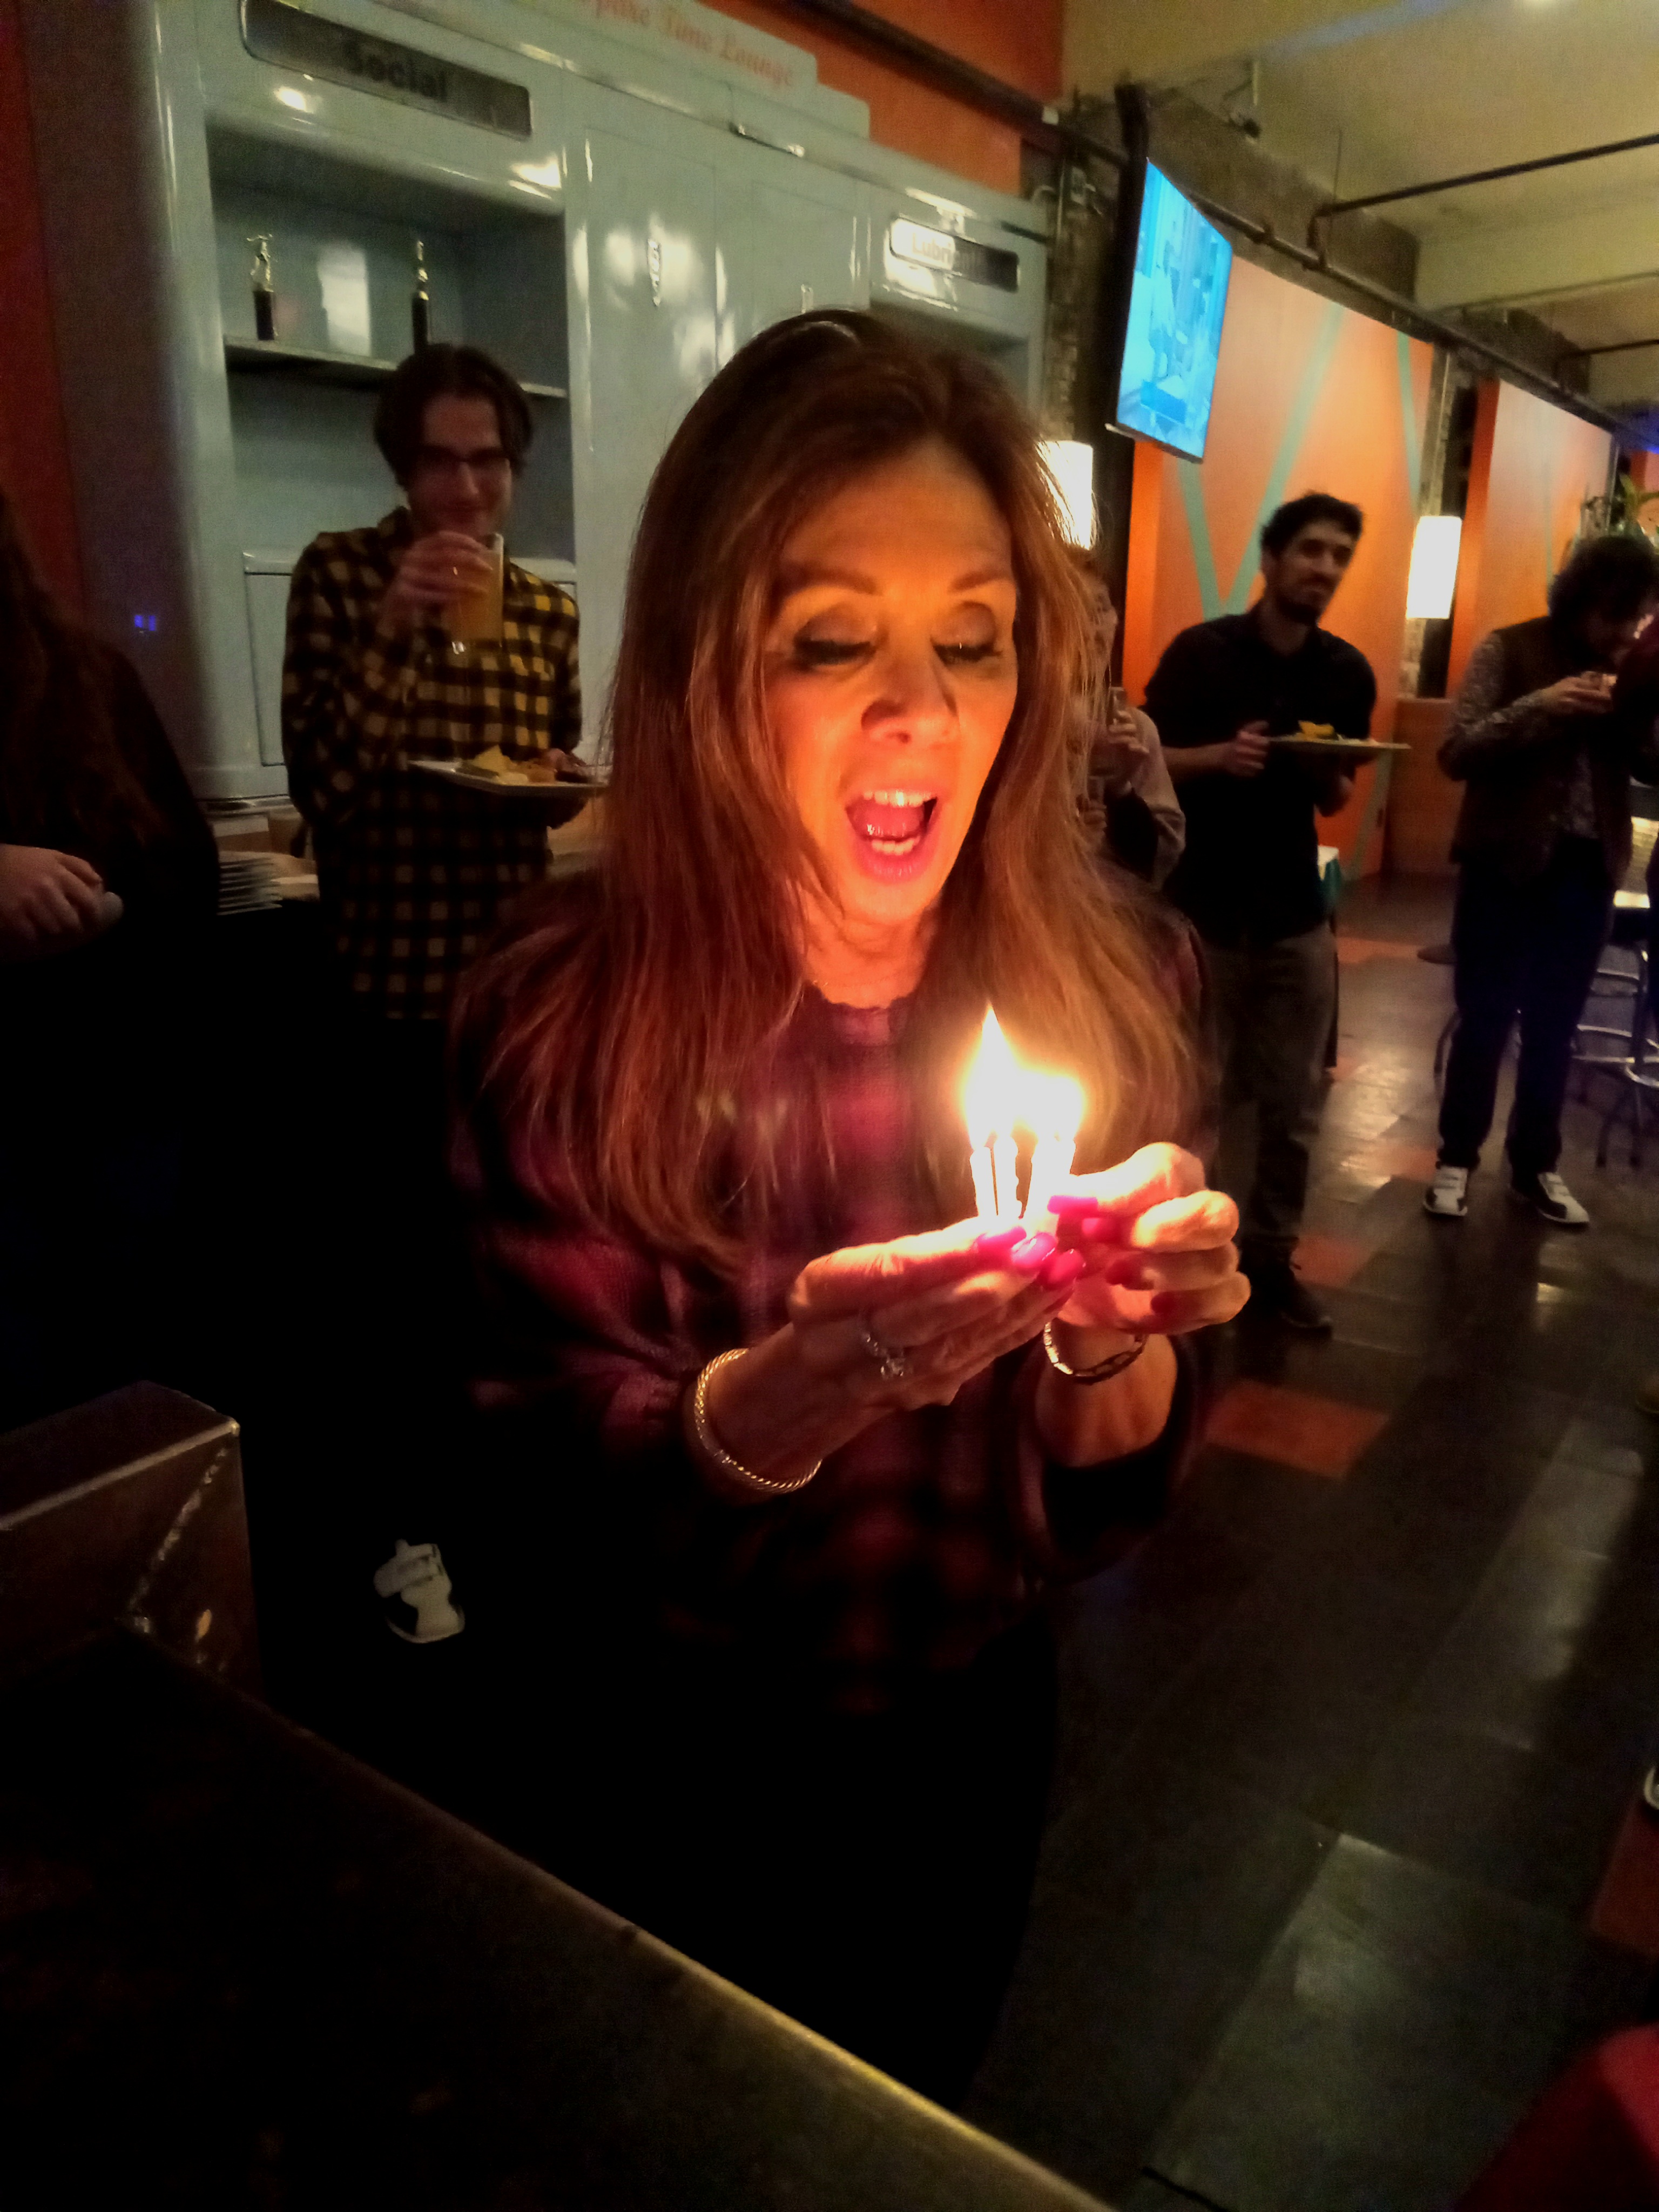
<point x="248" y="882"/>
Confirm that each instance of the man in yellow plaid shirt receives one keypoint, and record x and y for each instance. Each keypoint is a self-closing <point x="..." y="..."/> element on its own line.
<point x="413" y="873"/>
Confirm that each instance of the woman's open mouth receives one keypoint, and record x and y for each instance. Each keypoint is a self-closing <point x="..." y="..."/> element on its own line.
<point x="892" y="831"/>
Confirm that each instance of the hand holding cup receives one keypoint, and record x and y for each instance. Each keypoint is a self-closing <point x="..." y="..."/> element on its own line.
<point x="436" y="573"/>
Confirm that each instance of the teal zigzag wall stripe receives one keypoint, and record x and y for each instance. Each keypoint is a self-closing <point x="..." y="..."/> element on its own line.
<point x="1191" y="475"/>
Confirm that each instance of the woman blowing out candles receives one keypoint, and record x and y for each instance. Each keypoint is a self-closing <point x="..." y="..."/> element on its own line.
<point x="783" y="1393"/>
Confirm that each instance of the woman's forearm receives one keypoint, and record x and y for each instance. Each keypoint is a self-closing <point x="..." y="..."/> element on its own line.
<point x="778" y="1417"/>
<point x="1081" y="1423"/>
<point x="772" y="1414"/>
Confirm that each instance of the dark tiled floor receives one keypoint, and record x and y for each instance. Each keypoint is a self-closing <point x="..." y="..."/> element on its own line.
<point x="1343" y="1864"/>
<point x="1332" y="2084"/>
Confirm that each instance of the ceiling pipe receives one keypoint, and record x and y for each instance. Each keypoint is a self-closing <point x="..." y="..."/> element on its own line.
<point x="1332" y="208"/>
<point x="1032" y="118"/>
<point x="1417" y="321"/>
<point x="1624" y="345"/>
<point x="1044" y="125"/>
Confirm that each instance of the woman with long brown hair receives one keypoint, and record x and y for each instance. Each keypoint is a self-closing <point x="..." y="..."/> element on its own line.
<point x="808" y="1452"/>
<point x="108" y="881"/>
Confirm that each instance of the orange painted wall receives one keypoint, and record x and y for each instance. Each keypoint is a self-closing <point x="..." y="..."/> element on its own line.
<point x="1309" y="397"/>
<point x="1644" y="471"/>
<point x="34" y="447"/>
<point x="1533" y="464"/>
<point x="1019" y="44"/>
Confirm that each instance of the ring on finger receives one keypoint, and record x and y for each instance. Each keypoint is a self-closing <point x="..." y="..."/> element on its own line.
<point x="892" y="1360"/>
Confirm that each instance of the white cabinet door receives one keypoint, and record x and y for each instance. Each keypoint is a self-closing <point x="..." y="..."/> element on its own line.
<point x="643" y="346"/>
<point x="792" y="238"/>
<point x="805" y="255"/>
<point x="267" y="623"/>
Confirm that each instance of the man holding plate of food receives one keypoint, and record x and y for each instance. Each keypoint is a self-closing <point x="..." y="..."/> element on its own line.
<point x="1259" y="714"/>
<point x="414" y="641"/>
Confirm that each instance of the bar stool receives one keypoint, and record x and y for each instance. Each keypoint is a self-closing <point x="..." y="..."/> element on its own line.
<point x="1621" y="974"/>
<point x="1626" y="1052"/>
<point x="1635" y="1068"/>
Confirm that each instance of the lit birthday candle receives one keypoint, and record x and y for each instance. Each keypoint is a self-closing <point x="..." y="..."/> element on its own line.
<point x="1052" y="1109"/>
<point x="991" y="1100"/>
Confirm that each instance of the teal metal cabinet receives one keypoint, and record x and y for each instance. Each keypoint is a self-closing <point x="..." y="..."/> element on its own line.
<point x="792" y="237"/>
<point x="643" y="336"/>
<point x="611" y="208"/>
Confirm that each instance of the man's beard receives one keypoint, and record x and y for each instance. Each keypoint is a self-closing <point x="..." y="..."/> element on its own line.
<point x="1301" y="610"/>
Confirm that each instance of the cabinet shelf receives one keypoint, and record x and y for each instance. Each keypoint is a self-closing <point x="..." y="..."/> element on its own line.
<point x="359" y="371"/>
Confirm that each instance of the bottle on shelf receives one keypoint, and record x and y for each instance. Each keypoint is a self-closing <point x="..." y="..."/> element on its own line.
<point x="265" y="296"/>
<point x="420" y="305"/>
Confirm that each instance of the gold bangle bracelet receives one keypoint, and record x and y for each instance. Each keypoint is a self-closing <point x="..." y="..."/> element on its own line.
<point x="1103" y="1370"/>
<point x="714" y="1451"/>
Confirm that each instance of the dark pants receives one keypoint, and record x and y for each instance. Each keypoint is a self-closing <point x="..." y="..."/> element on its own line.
<point x="868" y="1875"/>
<point x="392" y="1264"/>
<point x="1273" y="1007"/>
<point x="358" y="1426"/>
<point x="1531" y="949"/>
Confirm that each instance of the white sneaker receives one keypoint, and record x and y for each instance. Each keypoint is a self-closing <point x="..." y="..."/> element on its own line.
<point x="413" y="1593"/>
<point x="1550" y="1199"/>
<point x="1448" y="1196"/>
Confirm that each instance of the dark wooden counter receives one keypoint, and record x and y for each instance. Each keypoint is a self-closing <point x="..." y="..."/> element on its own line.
<point x="238" y="1969"/>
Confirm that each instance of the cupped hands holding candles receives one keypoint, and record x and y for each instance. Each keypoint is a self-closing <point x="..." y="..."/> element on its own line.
<point x="1140" y="1252"/>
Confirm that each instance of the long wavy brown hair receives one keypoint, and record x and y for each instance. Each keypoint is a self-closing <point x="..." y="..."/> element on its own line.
<point x="60" y="762"/>
<point x="623" y="1039"/>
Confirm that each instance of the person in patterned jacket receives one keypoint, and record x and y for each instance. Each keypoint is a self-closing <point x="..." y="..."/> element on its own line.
<point x="413" y="874"/>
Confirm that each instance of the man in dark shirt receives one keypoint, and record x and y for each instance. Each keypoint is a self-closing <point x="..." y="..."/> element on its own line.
<point x="1248" y="880"/>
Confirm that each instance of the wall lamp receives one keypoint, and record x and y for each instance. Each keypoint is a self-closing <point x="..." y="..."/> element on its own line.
<point x="1433" y="578"/>
<point x="1072" y="465"/>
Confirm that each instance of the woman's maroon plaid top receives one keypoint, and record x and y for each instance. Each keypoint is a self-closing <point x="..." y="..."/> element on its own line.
<point x="915" y="1544"/>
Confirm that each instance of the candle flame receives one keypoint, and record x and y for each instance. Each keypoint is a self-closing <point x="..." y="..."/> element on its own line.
<point x="992" y="1093"/>
<point x="1000" y="1096"/>
<point x="1052" y="1107"/>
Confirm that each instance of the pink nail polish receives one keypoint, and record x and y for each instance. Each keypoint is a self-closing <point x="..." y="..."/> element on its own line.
<point x="1073" y="1205"/>
<point x="998" y="1243"/>
<point x="1061" y="1270"/>
<point x="1029" y="1255"/>
<point x="1165" y="1303"/>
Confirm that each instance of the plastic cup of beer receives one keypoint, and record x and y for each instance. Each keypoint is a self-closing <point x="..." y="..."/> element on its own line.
<point x="475" y="618"/>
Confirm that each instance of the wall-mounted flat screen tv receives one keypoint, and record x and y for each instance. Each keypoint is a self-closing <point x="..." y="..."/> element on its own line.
<point x="1177" y="304"/>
